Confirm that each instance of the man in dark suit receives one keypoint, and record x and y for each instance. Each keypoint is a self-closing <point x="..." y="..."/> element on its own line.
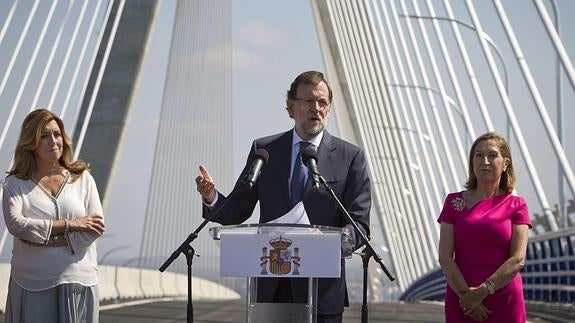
<point x="342" y="165"/>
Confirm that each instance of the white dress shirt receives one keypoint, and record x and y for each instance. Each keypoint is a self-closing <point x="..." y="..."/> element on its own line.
<point x="315" y="141"/>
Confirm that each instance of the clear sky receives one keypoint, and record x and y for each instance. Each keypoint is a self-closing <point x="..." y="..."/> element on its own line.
<point x="262" y="39"/>
<point x="273" y="41"/>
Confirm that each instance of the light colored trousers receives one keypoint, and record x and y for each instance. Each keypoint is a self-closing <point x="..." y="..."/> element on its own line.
<point x="65" y="303"/>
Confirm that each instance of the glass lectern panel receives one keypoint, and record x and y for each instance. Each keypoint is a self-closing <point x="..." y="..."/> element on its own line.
<point x="296" y="251"/>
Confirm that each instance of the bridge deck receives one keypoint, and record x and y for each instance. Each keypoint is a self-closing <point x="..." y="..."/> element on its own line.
<point x="208" y="312"/>
<point x="211" y="312"/>
<point x="174" y="310"/>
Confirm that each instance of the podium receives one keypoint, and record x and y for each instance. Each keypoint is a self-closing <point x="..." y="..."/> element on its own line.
<point x="281" y="251"/>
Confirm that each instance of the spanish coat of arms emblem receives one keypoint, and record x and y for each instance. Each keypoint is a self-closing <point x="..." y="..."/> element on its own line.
<point x="280" y="258"/>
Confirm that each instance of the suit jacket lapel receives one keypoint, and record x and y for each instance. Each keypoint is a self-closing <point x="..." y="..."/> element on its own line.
<point x="326" y="156"/>
<point x="326" y="160"/>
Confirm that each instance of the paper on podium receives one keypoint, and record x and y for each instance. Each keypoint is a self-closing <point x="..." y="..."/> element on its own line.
<point x="296" y="215"/>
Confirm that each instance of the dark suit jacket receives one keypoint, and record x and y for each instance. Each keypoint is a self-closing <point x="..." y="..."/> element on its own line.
<point x="344" y="168"/>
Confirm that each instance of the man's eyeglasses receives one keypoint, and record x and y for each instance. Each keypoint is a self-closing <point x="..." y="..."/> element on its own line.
<point x="322" y="103"/>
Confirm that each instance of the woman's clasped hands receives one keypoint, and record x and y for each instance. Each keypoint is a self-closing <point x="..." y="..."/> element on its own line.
<point x="471" y="305"/>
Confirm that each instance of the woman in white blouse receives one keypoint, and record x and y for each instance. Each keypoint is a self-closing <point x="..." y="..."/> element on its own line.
<point x="52" y="208"/>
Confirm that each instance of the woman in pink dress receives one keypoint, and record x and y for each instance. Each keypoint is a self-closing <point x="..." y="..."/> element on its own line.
<point x="483" y="240"/>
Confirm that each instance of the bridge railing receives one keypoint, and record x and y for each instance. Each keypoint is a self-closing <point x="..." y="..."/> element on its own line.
<point x="124" y="283"/>
<point x="548" y="275"/>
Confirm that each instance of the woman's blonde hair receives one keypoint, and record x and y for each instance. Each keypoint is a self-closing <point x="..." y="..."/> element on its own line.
<point x="30" y="133"/>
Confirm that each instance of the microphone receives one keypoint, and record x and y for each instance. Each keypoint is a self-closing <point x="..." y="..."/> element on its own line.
<point x="309" y="158"/>
<point x="261" y="157"/>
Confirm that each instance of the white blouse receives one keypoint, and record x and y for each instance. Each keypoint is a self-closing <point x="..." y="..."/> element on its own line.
<point x="28" y="212"/>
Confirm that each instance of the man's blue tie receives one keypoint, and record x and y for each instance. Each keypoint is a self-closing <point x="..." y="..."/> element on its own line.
<point x="298" y="177"/>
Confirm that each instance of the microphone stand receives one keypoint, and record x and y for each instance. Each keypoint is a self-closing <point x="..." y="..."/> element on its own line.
<point x="367" y="252"/>
<point x="189" y="252"/>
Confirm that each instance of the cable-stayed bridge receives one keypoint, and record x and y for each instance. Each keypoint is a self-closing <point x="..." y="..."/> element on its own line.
<point x="415" y="82"/>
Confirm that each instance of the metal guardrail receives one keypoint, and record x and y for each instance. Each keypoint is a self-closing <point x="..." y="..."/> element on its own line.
<point x="124" y="283"/>
<point x="548" y="275"/>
